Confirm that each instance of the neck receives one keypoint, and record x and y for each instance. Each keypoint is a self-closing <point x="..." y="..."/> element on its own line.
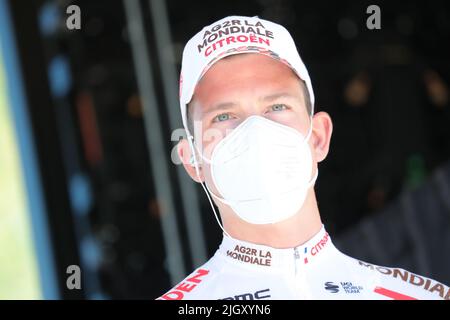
<point x="289" y="233"/>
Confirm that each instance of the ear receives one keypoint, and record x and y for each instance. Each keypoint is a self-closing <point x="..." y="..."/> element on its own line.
<point x="321" y="135"/>
<point x="185" y="153"/>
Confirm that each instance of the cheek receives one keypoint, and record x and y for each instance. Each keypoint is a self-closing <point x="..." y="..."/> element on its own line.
<point x="208" y="179"/>
<point x="216" y="133"/>
<point x="210" y="139"/>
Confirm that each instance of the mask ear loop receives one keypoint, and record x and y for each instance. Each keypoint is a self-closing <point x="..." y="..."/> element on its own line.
<point x="197" y="171"/>
<point x="308" y="135"/>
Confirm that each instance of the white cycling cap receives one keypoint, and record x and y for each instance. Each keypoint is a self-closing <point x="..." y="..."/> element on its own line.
<point x="234" y="35"/>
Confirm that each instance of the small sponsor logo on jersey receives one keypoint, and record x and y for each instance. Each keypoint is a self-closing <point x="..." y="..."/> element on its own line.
<point x="313" y="251"/>
<point x="330" y="286"/>
<point x="258" y="295"/>
<point x="320" y="245"/>
<point x="251" y="255"/>
<point x="350" y="288"/>
<point x="346" y="286"/>
<point x="411" y="278"/>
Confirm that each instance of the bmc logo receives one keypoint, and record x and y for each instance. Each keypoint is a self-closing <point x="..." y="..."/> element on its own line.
<point x="258" y="295"/>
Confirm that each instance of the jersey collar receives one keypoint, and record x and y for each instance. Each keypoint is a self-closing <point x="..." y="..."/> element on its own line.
<point x="265" y="257"/>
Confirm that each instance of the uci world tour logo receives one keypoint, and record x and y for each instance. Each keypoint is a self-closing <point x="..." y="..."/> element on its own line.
<point x="330" y="286"/>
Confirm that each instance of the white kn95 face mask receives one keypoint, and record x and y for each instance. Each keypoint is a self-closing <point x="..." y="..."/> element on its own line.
<point x="262" y="170"/>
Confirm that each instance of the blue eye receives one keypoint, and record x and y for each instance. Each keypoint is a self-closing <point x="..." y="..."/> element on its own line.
<point x="278" y="107"/>
<point x="222" y="117"/>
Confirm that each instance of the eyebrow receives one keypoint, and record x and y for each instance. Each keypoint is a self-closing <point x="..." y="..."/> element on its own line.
<point x="268" y="98"/>
<point x="220" y="106"/>
<point x="275" y="96"/>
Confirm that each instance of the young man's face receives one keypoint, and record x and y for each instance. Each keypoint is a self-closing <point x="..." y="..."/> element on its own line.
<point x="244" y="85"/>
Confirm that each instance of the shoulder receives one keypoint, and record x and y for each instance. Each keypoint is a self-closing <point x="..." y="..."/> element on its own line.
<point x="196" y="285"/>
<point x="401" y="284"/>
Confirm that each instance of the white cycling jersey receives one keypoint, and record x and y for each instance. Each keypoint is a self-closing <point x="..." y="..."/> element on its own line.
<point x="315" y="270"/>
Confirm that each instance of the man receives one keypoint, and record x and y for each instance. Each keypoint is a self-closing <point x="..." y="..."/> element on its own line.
<point x="254" y="143"/>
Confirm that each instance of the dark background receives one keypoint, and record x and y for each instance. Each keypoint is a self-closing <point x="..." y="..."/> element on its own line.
<point x="383" y="191"/>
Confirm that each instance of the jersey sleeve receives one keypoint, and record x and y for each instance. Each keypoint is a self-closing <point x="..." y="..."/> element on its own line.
<point x="401" y="284"/>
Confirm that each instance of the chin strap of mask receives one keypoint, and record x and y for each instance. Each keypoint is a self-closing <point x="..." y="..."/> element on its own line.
<point x="197" y="171"/>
